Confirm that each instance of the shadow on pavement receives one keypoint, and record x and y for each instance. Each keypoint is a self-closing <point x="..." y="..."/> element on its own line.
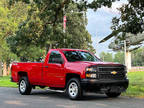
<point x="58" y="95"/>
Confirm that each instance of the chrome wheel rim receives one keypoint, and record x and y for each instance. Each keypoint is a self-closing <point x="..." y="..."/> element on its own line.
<point x="73" y="89"/>
<point x="22" y="86"/>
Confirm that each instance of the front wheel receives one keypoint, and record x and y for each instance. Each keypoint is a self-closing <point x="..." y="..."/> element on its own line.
<point x="113" y="95"/>
<point x="74" y="89"/>
<point x="24" y="86"/>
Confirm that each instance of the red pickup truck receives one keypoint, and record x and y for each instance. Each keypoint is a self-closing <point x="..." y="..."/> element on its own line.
<point x="72" y="70"/>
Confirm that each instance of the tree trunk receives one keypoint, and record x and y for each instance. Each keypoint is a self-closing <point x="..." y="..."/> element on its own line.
<point x="4" y="69"/>
<point x="0" y="68"/>
<point x="128" y="60"/>
<point x="8" y="71"/>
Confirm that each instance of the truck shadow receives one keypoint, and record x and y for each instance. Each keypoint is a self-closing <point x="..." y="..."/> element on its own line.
<point x="58" y="95"/>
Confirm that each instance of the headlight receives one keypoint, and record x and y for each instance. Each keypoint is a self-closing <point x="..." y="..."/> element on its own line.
<point x="91" y="75"/>
<point x="90" y="69"/>
<point x="91" y="72"/>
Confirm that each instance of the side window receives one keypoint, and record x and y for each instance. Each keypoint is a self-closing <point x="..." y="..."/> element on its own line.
<point x="55" y="57"/>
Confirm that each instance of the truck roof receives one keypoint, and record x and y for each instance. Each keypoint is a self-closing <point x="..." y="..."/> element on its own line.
<point x="67" y="49"/>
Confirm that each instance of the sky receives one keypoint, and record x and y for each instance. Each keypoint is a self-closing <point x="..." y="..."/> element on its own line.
<point x="99" y="24"/>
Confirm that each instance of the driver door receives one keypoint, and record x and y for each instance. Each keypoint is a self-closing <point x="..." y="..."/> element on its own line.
<point x="54" y="71"/>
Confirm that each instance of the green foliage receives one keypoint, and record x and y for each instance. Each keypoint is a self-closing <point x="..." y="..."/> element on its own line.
<point x="76" y="34"/>
<point x="9" y="21"/>
<point x="106" y="57"/>
<point x="138" y="57"/>
<point x="5" y="54"/>
<point x="53" y="9"/>
<point x="36" y="25"/>
<point x="119" y="57"/>
<point x="36" y="32"/>
<point x="131" y="19"/>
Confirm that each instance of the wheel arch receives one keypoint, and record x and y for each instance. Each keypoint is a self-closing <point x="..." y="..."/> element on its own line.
<point x="71" y="75"/>
<point x="22" y="74"/>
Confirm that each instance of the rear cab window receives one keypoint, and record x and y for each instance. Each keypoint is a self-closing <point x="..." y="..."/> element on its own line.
<point x="55" y="57"/>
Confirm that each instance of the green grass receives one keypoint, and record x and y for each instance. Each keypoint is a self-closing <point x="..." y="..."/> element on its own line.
<point x="5" y="82"/>
<point x="136" y="84"/>
<point x="135" y="89"/>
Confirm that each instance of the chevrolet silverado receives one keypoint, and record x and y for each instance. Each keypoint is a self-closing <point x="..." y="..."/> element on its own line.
<point x="73" y="71"/>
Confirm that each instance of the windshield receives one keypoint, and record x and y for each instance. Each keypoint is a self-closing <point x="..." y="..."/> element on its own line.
<point x="73" y="56"/>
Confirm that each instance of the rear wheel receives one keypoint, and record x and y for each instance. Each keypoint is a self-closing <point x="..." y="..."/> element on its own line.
<point x="113" y="95"/>
<point x="74" y="89"/>
<point x="24" y="86"/>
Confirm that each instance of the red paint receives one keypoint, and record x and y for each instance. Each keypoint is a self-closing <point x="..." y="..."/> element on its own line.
<point x="55" y="74"/>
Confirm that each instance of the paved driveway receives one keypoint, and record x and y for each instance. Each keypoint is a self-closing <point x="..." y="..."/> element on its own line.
<point x="10" y="98"/>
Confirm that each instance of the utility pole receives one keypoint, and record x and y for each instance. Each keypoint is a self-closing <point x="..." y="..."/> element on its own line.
<point x="64" y="20"/>
<point x="64" y="24"/>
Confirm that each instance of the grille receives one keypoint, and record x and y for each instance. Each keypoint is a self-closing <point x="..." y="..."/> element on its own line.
<point x="104" y="72"/>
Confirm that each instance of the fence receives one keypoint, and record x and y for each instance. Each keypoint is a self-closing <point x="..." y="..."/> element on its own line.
<point x="137" y="68"/>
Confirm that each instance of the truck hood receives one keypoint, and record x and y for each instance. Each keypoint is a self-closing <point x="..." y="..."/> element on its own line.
<point x="98" y="63"/>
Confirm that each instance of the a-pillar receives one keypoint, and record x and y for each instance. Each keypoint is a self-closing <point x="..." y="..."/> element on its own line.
<point x="128" y="60"/>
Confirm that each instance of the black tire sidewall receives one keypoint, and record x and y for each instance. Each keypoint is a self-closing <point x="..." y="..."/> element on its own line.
<point x="28" y="86"/>
<point x="113" y="95"/>
<point x="79" y="94"/>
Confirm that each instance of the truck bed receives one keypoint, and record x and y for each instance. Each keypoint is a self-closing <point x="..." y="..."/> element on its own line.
<point x="33" y="69"/>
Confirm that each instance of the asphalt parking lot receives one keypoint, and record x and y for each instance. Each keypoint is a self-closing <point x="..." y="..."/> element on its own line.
<point x="10" y="98"/>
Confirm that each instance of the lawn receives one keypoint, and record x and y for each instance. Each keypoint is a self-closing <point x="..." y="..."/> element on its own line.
<point x="136" y="87"/>
<point x="5" y="82"/>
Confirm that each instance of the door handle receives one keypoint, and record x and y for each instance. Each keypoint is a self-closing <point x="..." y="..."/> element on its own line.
<point x="45" y="66"/>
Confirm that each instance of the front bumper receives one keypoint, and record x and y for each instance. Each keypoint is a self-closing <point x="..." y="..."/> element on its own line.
<point x="105" y="85"/>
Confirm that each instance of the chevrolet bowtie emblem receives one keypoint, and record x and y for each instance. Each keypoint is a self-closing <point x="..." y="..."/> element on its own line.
<point x="113" y="72"/>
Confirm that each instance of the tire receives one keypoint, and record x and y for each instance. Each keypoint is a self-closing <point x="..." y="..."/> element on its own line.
<point x="113" y="95"/>
<point x="24" y="86"/>
<point x="74" y="90"/>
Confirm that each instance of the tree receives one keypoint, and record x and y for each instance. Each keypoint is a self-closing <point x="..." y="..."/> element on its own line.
<point x="106" y="57"/>
<point x="119" y="57"/>
<point x="9" y="21"/>
<point x="35" y="34"/>
<point x="51" y="12"/>
<point x="43" y="27"/>
<point x="138" y="57"/>
<point x="54" y="8"/>
<point x="131" y="20"/>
